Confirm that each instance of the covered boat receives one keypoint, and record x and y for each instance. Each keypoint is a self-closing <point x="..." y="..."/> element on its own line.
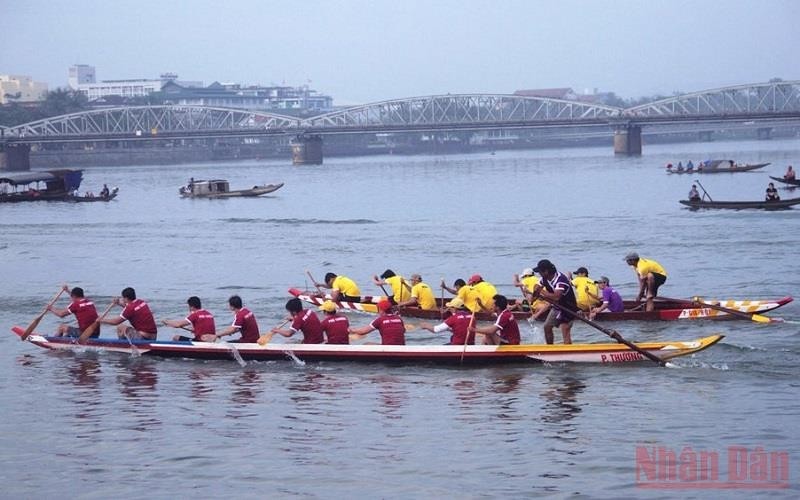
<point x="396" y="354"/>
<point x="718" y="167"/>
<point x="48" y="185"/>
<point x="741" y="205"/>
<point x="220" y="188"/>
<point x="91" y="198"/>
<point x="665" y="310"/>
<point x="790" y="182"/>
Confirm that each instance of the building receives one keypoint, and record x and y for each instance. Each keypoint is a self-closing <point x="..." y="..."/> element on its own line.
<point x="566" y="94"/>
<point x="80" y="74"/>
<point x="82" y="79"/>
<point x="21" y="88"/>
<point x="230" y="95"/>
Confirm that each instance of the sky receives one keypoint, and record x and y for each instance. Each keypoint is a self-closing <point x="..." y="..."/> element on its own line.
<point x="366" y="51"/>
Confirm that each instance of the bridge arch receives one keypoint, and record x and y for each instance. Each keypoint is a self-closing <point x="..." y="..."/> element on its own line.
<point x="462" y="109"/>
<point x="759" y="98"/>
<point x="130" y="120"/>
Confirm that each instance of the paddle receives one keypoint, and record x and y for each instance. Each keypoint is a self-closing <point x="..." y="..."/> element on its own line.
<point x="611" y="333"/>
<point x="705" y="193"/>
<point x="264" y="339"/>
<point x="441" y="305"/>
<point x="466" y="337"/>
<point x="758" y="318"/>
<point x="314" y="281"/>
<point x="93" y="327"/>
<point x="38" y="318"/>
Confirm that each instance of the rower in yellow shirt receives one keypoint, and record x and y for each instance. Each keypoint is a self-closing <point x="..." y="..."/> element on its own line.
<point x="651" y="276"/>
<point x="528" y="281"/>
<point x="585" y="289"/>
<point x="421" y="295"/>
<point x="401" y="290"/>
<point x="342" y="288"/>
<point x="485" y="293"/>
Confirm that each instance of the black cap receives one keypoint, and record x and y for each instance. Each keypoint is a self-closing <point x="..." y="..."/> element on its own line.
<point x="582" y="270"/>
<point x="544" y="264"/>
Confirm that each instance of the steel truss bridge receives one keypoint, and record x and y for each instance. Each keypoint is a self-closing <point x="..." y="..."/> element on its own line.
<point x="757" y="105"/>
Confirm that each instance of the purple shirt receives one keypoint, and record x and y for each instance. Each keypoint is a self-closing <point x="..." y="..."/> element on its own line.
<point x="614" y="300"/>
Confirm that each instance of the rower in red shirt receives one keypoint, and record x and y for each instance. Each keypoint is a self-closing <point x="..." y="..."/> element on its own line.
<point x="201" y="321"/>
<point x="505" y="329"/>
<point x="303" y="320"/>
<point x="388" y="324"/>
<point x="335" y="326"/>
<point x="244" y="322"/>
<point x="137" y="313"/>
<point x="84" y="312"/>
<point x="458" y="322"/>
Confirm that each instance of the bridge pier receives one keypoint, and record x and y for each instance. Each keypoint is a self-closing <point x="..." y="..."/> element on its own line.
<point x="628" y="140"/>
<point x="15" y="157"/>
<point x="764" y="133"/>
<point x="307" y="150"/>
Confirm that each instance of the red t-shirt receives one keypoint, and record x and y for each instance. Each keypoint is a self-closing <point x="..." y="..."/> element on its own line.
<point x="138" y="313"/>
<point x="84" y="312"/>
<point x="509" y="329"/>
<point x="336" y="329"/>
<point x="308" y="322"/>
<point x="459" y="325"/>
<point x="203" y="323"/>
<point x="245" y="321"/>
<point x="391" y="328"/>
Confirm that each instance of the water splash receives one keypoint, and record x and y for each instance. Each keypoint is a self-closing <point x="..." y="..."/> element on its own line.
<point x="135" y="353"/>
<point x="297" y="361"/>
<point x="236" y="355"/>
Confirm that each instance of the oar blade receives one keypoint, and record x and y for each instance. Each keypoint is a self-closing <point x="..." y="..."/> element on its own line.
<point x="760" y="319"/>
<point x="31" y="327"/>
<point x="86" y="334"/>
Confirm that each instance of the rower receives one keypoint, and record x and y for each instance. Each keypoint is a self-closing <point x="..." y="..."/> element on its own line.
<point x="651" y="276"/>
<point x="400" y="288"/>
<point x="421" y="295"/>
<point x="342" y="288"/>
<point x="790" y="174"/>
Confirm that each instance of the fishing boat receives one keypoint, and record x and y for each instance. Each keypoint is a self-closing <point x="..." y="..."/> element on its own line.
<point x="791" y="182"/>
<point x="741" y="205"/>
<point x="220" y="188"/>
<point x="92" y="198"/>
<point x="717" y="167"/>
<point x="48" y="185"/>
<point x="394" y="354"/>
<point x="665" y="310"/>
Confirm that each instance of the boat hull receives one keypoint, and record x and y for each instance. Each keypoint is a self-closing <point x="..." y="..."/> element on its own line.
<point x="742" y="205"/>
<point x="240" y="193"/>
<point x="665" y="310"/>
<point x="794" y="182"/>
<point x="394" y="354"/>
<point x="720" y="170"/>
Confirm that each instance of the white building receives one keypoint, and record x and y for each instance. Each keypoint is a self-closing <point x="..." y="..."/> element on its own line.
<point x="21" y="88"/>
<point x="80" y="74"/>
<point x="82" y="78"/>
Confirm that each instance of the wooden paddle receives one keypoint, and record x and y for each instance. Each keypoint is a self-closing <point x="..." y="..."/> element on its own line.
<point x="38" y="318"/>
<point x="314" y="281"/>
<point x="758" y="318"/>
<point x="93" y="327"/>
<point x="611" y="333"/>
<point x="264" y="339"/>
<point x="705" y="193"/>
<point x="466" y="338"/>
<point x="441" y="305"/>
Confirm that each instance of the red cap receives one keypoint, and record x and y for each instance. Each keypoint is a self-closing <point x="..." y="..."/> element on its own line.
<point x="474" y="279"/>
<point x="384" y="305"/>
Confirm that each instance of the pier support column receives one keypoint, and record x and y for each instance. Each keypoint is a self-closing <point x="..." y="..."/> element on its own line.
<point x="765" y="134"/>
<point x="704" y="135"/>
<point x="307" y="150"/>
<point x="628" y="140"/>
<point x="15" y="157"/>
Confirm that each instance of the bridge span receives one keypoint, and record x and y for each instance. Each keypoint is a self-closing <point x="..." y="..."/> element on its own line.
<point x="760" y="105"/>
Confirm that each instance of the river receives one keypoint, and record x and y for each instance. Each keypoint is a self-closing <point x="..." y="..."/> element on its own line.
<point x="89" y="425"/>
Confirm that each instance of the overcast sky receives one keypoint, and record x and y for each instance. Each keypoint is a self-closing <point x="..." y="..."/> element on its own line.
<point x="364" y="51"/>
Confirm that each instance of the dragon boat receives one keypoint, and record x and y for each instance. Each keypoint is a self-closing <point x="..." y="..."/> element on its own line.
<point x="665" y="310"/>
<point x="392" y="354"/>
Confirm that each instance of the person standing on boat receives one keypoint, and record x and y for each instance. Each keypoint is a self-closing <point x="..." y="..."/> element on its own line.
<point x="772" y="193"/>
<point x="201" y="321"/>
<point x="556" y="287"/>
<point x="457" y="322"/>
<point x="335" y="326"/>
<point x="789" y="175"/>
<point x="342" y="288"/>
<point x="484" y="293"/>
<point x="651" y="276"/>
<point x="244" y="322"/>
<point x="84" y="311"/>
<point x="401" y="290"/>
<point x="694" y="194"/>
<point x="421" y="295"/>
<point x="388" y="324"/>
<point x="585" y="289"/>
<point x="505" y="329"/>
<point x="303" y="320"/>
<point x="611" y="300"/>
<point x="137" y="313"/>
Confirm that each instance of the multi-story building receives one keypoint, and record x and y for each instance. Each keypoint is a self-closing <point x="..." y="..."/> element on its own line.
<point x="21" y="88"/>
<point x="255" y="97"/>
<point x="82" y="79"/>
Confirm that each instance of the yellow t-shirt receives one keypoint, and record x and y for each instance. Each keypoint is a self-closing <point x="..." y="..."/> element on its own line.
<point x="346" y="286"/>
<point x="583" y="298"/>
<point x="529" y="282"/>
<point x="399" y="290"/>
<point x="470" y="297"/>
<point x="424" y="295"/>
<point x="647" y="266"/>
<point x="486" y="291"/>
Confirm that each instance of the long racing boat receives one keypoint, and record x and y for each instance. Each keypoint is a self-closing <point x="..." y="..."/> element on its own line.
<point x="665" y="310"/>
<point x="395" y="354"/>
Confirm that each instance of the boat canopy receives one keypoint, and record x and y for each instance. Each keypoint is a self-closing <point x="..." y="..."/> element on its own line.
<point x="18" y="179"/>
<point x="64" y="179"/>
